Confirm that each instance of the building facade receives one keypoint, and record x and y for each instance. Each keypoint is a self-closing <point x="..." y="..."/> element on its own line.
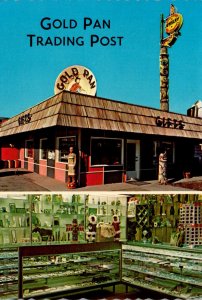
<point x="114" y="141"/>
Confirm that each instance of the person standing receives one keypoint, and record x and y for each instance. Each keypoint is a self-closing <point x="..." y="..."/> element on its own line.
<point x="71" y="159"/>
<point x="162" y="175"/>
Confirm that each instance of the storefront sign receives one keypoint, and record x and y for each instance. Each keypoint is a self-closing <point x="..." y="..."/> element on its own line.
<point x="76" y="79"/>
<point x="169" y="123"/>
<point x="25" y="119"/>
<point x="174" y="23"/>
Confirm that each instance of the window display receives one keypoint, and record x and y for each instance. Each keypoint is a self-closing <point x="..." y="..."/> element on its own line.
<point x="29" y="148"/>
<point x="106" y="151"/>
<point x="43" y="148"/>
<point x="63" y="145"/>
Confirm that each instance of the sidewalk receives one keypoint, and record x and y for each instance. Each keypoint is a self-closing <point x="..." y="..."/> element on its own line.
<point x="134" y="186"/>
<point x="24" y="181"/>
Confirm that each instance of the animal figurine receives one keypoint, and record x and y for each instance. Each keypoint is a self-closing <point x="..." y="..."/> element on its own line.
<point x="44" y="232"/>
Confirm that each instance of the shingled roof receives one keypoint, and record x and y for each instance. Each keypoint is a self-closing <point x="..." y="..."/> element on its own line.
<point x="77" y="110"/>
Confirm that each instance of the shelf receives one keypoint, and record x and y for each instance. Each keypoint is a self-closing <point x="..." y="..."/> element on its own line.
<point x="150" y="286"/>
<point x="164" y="262"/>
<point x="85" y="265"/>
<point x="71" y="289"/>
<point x="175" y="272"/>
<point x="176" y="251"/>
<point x="168" y="275"/>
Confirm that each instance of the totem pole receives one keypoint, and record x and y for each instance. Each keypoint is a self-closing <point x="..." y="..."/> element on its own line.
<point x="164" y="80"/>
<point x="173" y="23"/>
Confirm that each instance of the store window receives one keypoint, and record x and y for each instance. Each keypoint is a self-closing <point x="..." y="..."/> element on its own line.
<point x="64" y="143"/>
<point x="198" y="152"/>
<point x="162" y="146"/>
<point x="106" y="151"/>
<point x="43" y="149"/>
<point x="29" y="149"/>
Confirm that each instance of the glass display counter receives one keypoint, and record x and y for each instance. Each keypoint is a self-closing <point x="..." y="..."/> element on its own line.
<point x="170" y="270"/>
<point x="8" y="273"/>
<point x="36" y="271"/>
<point x="65" y="269"/>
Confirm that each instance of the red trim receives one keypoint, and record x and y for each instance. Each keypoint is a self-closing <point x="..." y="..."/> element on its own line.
<point x="95" y="176"/>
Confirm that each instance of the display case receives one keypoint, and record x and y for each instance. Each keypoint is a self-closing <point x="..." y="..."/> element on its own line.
<point x="106" y="212"/>
<point x="66" y="269"/>
<point x="58" y="218"/>
<point x="170" y="270"/>
<point x="33" y="219"/>
<point x="61" y="218"/>
<point x="14" y="219"/>
<point x="153" y="217"/>
<point x="8" y="273"/>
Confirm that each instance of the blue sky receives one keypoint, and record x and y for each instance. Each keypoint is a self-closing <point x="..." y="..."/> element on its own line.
<point x="128" y="73"/>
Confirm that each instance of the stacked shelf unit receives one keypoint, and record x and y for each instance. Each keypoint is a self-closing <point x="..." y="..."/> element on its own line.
<point x="50" y="219"/>
<point x="14" y="220"/>
<point x="105" y="208"/>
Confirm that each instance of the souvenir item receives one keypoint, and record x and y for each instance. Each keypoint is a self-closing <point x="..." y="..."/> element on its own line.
<point x="91" y="228"/>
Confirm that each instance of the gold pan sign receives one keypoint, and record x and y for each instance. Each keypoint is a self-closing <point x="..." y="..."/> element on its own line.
<point x="174" y="23"/>
<point x="76" y="79"/>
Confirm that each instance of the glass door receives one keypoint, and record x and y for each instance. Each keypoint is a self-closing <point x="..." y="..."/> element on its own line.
<point x="133" y="159"/>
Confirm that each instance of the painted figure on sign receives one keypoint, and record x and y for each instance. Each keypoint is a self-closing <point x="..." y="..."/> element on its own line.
<point x="71" y="159"/>
<point x="76" y="87"/>
<point x="162" y="176"/>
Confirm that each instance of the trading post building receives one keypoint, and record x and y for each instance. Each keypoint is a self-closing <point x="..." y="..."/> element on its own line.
<point x="114" y="141"/>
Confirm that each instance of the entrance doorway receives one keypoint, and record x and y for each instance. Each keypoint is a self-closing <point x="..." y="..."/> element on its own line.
<point x="133" y="159"/>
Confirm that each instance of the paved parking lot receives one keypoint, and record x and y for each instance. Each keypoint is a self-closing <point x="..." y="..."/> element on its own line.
<point x="23" y="181"/>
